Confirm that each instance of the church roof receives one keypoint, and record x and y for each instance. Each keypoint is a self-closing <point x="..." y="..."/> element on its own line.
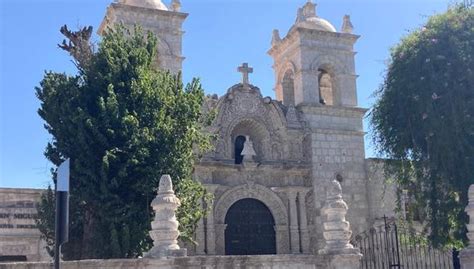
<point x="153" y="4"/>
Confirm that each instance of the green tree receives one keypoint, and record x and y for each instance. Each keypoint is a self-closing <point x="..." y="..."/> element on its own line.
<point x="423" y="120"/>
<point x="123" y="124"/>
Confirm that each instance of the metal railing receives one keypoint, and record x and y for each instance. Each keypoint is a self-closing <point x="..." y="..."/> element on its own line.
<point x="393" y="246"/>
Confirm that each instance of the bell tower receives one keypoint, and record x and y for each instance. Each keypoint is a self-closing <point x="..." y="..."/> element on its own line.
<point x="314" y="68"/>
<point x="314" y="63"/>
<point x="165" y="22"/>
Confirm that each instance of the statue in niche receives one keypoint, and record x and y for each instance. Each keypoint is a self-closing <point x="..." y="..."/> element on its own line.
<point x="248" y="152"/>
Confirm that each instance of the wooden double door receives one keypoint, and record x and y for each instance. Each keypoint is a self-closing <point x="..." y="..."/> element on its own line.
<point x="250" y="229"/>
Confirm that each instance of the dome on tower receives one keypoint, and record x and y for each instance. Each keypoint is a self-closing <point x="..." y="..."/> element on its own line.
<point x="153" y="4"/>
<point x="307" y="18"/>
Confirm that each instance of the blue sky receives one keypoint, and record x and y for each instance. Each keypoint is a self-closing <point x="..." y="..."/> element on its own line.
<point x="220" y="35"/>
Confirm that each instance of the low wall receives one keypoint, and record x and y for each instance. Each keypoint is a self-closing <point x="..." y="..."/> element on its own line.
<point x="197" y="262"/>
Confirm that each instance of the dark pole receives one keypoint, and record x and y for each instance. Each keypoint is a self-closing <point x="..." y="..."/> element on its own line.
<point x="57" y="245"/>
<point x="62" y="211"/>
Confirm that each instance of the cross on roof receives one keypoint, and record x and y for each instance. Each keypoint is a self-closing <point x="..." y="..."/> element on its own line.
<point x="245" y="70"/>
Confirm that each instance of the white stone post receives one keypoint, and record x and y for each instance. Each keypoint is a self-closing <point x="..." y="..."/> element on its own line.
<point x="466" y="256"/>
<point x="164" y="228"/>
<point x="294" y="232"/>
<point x="337" y="232"/>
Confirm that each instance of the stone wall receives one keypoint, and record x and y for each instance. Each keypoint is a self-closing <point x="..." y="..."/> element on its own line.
<point x="337" y="144"/>
<point x="18" y="233"/>
<point x="381" y="194"/>
<point x="208" y="262"/>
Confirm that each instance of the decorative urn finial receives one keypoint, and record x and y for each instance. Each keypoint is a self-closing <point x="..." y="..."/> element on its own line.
<point x="336" y="229"/>
<point x="347" y="26"/>
<point x="176" y="5"/>
<point x="164" y="228"/>
<point x="276" y="39"/>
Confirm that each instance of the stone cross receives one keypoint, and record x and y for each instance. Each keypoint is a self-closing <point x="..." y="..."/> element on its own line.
<point x="245" y="70"/>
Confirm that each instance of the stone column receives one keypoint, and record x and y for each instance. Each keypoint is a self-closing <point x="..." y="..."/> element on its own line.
<point x="210" y="226"/>
<point x="303" y="222"/>
<point x="200" y="237"/>
<point x="466" y="256"/>
<point x="337" y="231"/>
<point x="294" y="232"/>
<point x="164" y="228"/>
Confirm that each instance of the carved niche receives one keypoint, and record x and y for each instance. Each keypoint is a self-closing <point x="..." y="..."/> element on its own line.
<point x="243" y="111"/>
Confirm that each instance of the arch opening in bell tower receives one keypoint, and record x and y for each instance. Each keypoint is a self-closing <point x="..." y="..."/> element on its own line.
<point x="326" y="89"/>
<point x="288" y="86"/>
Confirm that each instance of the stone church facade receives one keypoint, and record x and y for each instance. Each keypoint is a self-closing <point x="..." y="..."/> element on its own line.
<point x="278" y="153"/>
<point x="274" y="157"/>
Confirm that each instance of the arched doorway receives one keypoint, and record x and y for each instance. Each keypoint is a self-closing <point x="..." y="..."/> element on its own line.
<point x="250" y="229"/>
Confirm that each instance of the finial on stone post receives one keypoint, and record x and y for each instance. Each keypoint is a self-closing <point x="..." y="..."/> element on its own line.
<point x="337" y="232"/>
<point x="164" y="228"/>
<point x="176" y="5"/>
<point x="466" y="255"/>
<point x="309" y="10"/>
<point x="299" y="15"/>
<point x="276" y="39"/>
<point x="347" y="26"/>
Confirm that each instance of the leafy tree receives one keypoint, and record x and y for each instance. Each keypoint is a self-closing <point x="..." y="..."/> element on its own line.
<point x="424" y="120"/>
<point x="123" y="124"/>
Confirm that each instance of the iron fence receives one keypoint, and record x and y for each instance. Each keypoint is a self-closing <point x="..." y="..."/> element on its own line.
<point x="392" y="246"/>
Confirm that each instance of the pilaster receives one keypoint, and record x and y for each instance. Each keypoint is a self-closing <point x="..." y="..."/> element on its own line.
<point x="303" y="222"/>
<point x="210" y="225"/>
<point x="294" y="232"/>
<point x="200" y="236"/>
